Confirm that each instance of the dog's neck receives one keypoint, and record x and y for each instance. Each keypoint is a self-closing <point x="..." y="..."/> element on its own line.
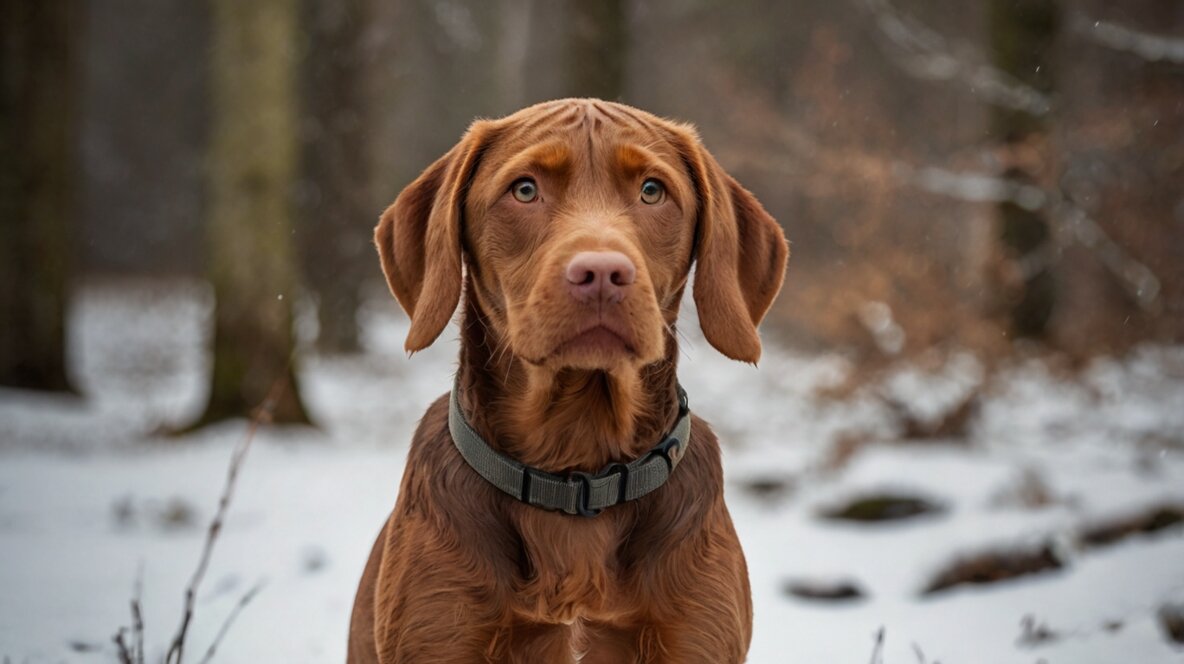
<point x="559" y="422"/>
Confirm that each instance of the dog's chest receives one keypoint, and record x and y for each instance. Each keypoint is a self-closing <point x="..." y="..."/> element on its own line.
<point x="569" y="568"/>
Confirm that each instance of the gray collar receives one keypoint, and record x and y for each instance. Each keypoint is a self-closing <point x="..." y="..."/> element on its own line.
<point x="577" y="492"/>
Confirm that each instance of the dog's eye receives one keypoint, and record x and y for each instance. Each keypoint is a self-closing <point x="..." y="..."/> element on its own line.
<point x="652" y="192"/>
<point x="525" y="190"/>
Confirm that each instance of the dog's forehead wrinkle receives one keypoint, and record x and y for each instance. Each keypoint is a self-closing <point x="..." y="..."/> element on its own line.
<point x="591" y="115"/>
<point x="559" y="112"/>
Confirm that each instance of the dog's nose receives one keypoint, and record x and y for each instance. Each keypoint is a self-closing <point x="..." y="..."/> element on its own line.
<point x="600" y="275"/>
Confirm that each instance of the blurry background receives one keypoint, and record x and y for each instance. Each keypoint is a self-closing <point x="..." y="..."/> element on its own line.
<point x="984" y="200"/>
<point x="893" y="140"/>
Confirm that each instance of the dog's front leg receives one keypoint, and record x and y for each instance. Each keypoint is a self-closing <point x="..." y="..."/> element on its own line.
<point x="705" y="617"/>
<point x="435" y="599"/>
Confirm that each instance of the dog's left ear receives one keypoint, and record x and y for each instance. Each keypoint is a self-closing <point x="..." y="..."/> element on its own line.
<point x="741" y="257"/>
<point x="419" y="243"/>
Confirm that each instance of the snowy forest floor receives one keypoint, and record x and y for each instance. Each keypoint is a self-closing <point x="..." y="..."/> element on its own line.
<point x="1080" y="482"/>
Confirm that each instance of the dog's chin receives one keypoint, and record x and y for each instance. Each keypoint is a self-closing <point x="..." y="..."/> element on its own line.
<point x="595" y="348"/>
<point x="598" y="347"/>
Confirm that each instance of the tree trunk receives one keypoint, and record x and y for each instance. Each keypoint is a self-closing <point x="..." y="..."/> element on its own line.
<point x="252" y="170"/>
<point x="596" y="52"/>
<point x="334" y="199"/>
<point x="38" y="150"/>
<point x="1021" y="35"/>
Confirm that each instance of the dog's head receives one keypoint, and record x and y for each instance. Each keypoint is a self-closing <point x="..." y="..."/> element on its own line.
<point x="578" y="222"/>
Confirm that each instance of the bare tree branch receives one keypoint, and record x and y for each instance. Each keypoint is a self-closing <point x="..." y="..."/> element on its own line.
<point x="1072" y="222"/>
<point x="1154" y="48"/>
<point x="972" y="187"/>
<point x="926" y="54"/>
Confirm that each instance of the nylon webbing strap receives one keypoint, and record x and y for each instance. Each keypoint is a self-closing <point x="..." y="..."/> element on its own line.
<point x="576" y="493"/>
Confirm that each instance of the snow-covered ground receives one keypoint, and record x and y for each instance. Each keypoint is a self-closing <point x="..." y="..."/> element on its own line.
<point x="91" y="498"/>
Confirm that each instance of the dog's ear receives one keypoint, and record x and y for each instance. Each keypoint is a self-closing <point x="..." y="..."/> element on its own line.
<point x="419" y="242"/>
<point x="741" y="256"/>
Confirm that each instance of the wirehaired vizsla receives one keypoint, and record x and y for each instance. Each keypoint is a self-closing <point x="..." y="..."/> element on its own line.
<point x="563" y="505"/>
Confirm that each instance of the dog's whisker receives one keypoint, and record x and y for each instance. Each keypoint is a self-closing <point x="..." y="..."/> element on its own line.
<point x="500" y="347"/>
<point x="502" y="350"/>
<point x="495" y="356"/>
<point x="676" y="334"/>
<point x="503" y="347"/>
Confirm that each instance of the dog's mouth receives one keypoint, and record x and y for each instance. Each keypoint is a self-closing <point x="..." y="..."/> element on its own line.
<point x="597" y="345"/>
<point x="599" y="339"/>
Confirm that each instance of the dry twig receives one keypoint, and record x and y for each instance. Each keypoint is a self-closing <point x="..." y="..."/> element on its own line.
<point x="242" y="602"/>
<point x="878" y="651"/>
<point x="122" y="650"/>
<point x="134" y="653"/>
<point x="262" y="416"/>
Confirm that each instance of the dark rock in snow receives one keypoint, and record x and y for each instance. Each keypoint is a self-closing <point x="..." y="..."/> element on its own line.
<point x="821" y="590"/>
<point x="995" y="566"/>
<point x="1151" y="521"/>
<point x="883" y="507"/>
<point x="80" y="646"/>
<point x="768" y="489"/>
<point x="1171" y="619"/>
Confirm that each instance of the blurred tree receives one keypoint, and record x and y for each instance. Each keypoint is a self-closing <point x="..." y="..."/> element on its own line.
<point x="335" y="210"/>
<point x="597" y="46"/>
<point x="1021" y="39"/>
<point x="143" y="138"/>
<point x="516" y="32"/>
<point x="38" y="150"/>
<point x="252" y="169"/>
<point x="441" y="75"/>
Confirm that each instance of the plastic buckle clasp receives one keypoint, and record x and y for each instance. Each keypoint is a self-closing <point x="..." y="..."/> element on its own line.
<point x="583" y="493"/>
<point x="670" y="450"/>
<point x="618" y="468"/>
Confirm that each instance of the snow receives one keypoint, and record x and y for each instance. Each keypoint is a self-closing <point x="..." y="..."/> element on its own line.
<point x="91" y="497"/>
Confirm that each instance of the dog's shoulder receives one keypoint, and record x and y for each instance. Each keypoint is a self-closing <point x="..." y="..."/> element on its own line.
<point x="703" y="459"/>
<point x="436" y="480"/>
<point x="432" y="432"/>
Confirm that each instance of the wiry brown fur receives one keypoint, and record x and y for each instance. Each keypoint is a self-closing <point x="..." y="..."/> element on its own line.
<point x="464" y="573"/>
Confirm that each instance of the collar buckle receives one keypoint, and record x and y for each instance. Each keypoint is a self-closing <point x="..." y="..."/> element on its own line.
<point x="670" y="450"/>
<point x="583" y="484"/>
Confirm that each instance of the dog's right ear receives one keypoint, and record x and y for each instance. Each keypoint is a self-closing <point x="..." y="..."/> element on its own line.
<point x="419" y="242"/>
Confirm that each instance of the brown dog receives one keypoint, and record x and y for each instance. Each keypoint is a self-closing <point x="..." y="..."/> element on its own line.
<point x="572" y="226"/>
